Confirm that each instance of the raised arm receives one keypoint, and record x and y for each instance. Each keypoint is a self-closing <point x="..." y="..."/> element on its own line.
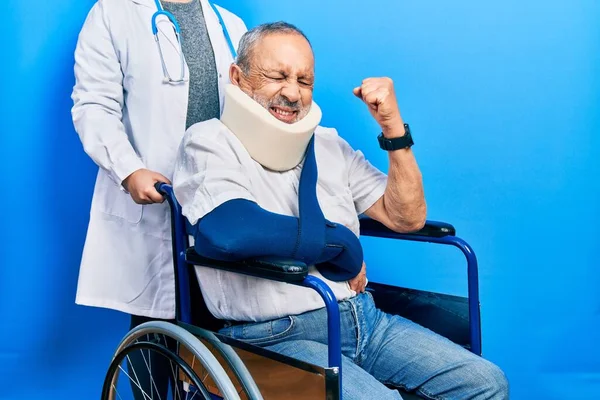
<point x="402" y="207"/>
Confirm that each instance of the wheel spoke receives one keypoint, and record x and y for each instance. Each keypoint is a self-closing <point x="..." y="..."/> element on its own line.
<point x="117" y="392"/>
<point x="137" y="382"/>
<point x="194" y="395"/>
<point x="177" y="392"/>
<point x="148" y="365"/>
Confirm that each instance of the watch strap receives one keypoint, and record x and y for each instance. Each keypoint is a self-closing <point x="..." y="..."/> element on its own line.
<point x="398" y="143"/>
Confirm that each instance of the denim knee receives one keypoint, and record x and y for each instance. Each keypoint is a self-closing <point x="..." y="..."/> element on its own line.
<point x="494" y="382"/>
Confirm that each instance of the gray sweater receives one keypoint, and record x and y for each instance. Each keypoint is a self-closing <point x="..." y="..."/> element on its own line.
<point x="203" y="98"/>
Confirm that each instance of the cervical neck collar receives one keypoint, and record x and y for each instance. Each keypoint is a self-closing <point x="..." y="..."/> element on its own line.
<point x="270" y="142"/>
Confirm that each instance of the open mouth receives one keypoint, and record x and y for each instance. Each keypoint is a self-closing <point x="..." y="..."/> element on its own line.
<point x="284" y="114"/>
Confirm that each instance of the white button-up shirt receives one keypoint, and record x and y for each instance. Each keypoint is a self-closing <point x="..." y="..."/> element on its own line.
<point x="214" y="167"/>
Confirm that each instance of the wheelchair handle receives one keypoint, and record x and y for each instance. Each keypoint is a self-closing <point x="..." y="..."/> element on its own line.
<point x="159" y="186"/>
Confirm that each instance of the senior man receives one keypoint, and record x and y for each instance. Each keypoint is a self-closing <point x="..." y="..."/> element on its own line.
<point x="267" y="180"/>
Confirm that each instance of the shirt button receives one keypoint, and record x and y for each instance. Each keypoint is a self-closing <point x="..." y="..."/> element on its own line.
<point x="220" y="76"/>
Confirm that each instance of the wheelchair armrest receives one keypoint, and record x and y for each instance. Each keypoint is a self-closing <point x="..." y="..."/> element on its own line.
<point x="272" y="268"/>
<point x="370" y="227"/>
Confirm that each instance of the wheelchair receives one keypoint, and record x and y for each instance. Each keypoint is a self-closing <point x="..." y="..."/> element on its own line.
<point x="207" y="365"/>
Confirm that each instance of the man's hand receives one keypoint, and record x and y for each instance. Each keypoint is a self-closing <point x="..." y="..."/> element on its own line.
<point x="379" y="95"/>
<point x="140" y="186"/>
<point x="359" y="282"/>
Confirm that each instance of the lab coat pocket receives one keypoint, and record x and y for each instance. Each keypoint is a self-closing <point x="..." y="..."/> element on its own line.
<point x="115" y="202"/>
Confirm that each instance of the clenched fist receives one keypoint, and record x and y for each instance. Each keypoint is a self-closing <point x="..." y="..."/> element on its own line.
<point x="378" y="94"/>
<point x="140" y="186"/>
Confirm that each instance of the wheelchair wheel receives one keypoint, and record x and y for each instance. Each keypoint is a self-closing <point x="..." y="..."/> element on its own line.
<point x="161" y="343"/>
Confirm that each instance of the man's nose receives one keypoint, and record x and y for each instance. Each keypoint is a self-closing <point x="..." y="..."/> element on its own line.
<point x="291" y="91"/>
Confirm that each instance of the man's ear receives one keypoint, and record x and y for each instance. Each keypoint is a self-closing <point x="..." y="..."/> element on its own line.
<point x="235" y="73"/>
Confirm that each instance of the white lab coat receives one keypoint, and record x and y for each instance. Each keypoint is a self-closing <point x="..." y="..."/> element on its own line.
<point x="127" y="119"/>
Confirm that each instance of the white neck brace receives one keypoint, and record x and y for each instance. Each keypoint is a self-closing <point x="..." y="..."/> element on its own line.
<point x="270" y="142"/>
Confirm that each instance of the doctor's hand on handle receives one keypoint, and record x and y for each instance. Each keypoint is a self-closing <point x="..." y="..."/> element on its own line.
<point x="379" y="95"/>
<point x="140" y="186"/>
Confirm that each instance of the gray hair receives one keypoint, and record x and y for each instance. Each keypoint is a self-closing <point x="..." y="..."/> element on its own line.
<point x="254" y="35"/>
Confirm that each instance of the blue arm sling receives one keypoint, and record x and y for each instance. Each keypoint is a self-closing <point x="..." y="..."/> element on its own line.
<point x="240" y="229"/>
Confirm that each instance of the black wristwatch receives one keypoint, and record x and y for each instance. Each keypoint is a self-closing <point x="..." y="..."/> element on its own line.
<point x="402" y="142"/>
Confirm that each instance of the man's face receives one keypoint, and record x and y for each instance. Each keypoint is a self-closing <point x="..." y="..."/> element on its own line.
<point x="281" y="76"/>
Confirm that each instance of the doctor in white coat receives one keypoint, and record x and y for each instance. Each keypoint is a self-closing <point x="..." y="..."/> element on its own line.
<point x="130" y="111"/>
<point x="130" y="120"/>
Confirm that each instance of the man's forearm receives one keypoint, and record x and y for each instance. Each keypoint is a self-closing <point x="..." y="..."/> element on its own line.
<point x="403" y="200"/>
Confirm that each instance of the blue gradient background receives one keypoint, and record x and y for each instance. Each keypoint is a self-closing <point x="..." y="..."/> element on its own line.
<point x="503" y="99"/>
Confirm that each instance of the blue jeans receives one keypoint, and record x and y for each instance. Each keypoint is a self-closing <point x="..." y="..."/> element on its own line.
<point x="380" y="351"/>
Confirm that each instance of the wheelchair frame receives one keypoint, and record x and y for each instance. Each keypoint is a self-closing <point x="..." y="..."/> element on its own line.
<point x="294" y="272"/>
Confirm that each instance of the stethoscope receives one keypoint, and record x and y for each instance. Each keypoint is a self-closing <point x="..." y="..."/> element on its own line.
<point x="167" y="78"/>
